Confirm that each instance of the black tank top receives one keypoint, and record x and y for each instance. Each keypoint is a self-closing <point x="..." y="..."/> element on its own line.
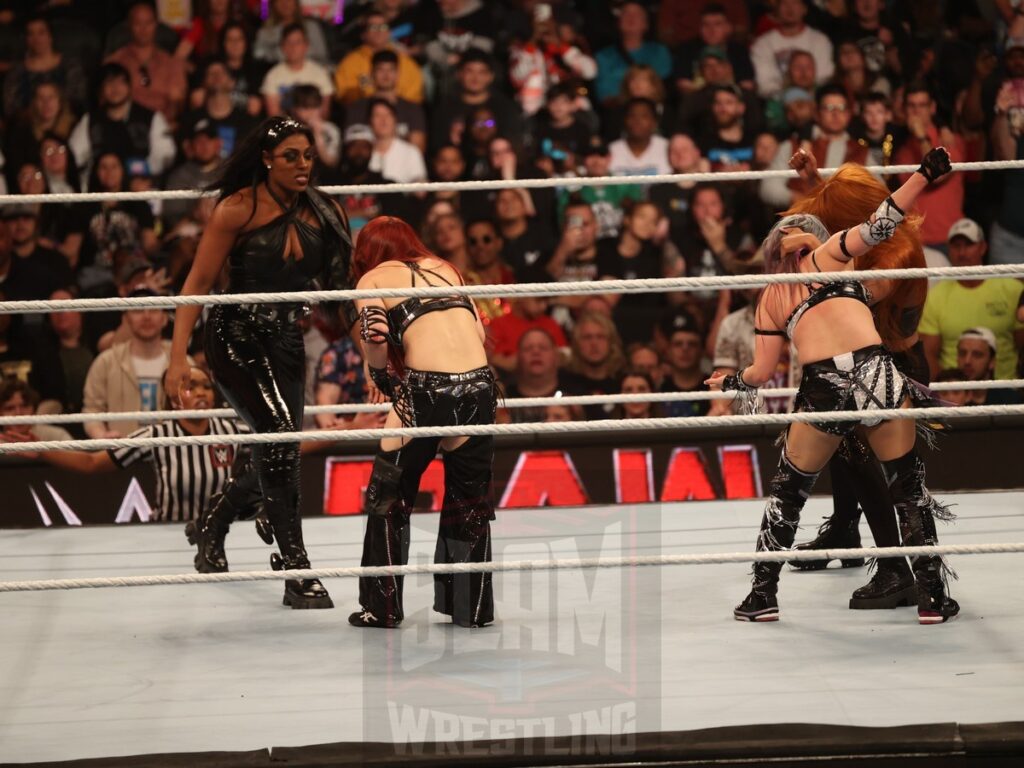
<point x="257" y="263"/>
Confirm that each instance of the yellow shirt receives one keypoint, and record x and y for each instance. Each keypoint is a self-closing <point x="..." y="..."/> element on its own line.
<point x="951" y="309"/>
<point x="352" y="77"/>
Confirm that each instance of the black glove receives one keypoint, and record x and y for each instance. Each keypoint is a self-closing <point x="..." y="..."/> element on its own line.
<point x="935" y="165"/>
<point x="734" y="383"/>
<point x="383" y="380"/>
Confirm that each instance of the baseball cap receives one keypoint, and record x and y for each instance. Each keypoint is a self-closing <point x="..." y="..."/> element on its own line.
<point x="714" y="51"/>
<point x="595" y="147"/>
<point x="1013" y="42"/>
<point x="983" y="333"/>
<point x="679" y="320"/>
<point x="131" y="268"/>
<point x="796" y="94"/>
<point x="203" y="127"/>
<point x="359" y="132"/>
<point x="968" y="228"/>
<point x="18" y="211"/>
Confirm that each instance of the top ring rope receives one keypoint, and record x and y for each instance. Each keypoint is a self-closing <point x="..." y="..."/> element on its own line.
<point x="514" y="402"/>
<point x="524" y="428"/>
<point x="584" y="287"/>
<point x="451" y="186"/>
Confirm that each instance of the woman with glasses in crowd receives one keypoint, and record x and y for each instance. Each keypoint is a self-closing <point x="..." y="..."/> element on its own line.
<point x="274" y="232"/>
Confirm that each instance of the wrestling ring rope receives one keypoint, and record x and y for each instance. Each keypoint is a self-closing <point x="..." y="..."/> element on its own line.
<point x="501" y="564"/>
<point x="513" y="402"/>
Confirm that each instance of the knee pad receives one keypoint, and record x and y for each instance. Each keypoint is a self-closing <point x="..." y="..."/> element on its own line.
<point x="384" y="489"/>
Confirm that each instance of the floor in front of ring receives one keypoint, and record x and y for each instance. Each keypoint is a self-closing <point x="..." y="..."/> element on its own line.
<point x="125" y="671"/>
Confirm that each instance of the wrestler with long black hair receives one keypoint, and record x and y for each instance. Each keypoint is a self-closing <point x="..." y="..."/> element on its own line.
<point x="845" y="367"/>
<point x="438" y="376"/>
<point x="275" y="232"/>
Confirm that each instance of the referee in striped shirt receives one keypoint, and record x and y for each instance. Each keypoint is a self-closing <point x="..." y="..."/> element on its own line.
<point x="187" y="476"/>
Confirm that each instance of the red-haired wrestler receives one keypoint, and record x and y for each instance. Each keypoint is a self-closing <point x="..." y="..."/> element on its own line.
<point x="438" y="377"/>
<point x="847" y="198"/>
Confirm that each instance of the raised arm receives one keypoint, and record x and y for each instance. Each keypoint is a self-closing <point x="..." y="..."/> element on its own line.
<point x="847" y="245"/>
<point x="225" y="223"/>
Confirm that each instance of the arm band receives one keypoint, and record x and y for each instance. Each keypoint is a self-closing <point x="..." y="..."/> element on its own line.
<point x="842" y="246"/>
<point x="765" y="332"/>
<point x="882" y="224"/>
<point x="734" y="383"/>
<point x="373" y="327"/>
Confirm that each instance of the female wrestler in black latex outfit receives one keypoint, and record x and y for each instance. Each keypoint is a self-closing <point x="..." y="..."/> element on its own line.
<point x="846" y="368"/>
<point x="276" y="233"/>
<point x="436" y="350"/>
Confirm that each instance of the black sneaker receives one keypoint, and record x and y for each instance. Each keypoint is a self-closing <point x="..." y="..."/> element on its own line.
<point x="367" y="619"/>
<point x="831" y="536"/>
<point x="757" y="607"/>
<point x="935" y="606"/>
<point x="306" y="594"/>
<point x="891" y="586"/>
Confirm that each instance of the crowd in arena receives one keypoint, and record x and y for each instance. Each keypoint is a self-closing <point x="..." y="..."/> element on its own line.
<point x="110" y="95"/>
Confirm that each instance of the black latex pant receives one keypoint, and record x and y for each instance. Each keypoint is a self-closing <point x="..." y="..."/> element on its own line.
<point x="259" y="365"/>
<point x="464" y="529"/>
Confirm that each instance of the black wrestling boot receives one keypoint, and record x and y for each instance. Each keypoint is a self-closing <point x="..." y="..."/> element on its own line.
<point x="891" y="586"/>
<point x="832" y="535"/>
<point x="208" y="533"/>
<point x="917" y="510"/>
<point x="761" y="604"/>
<point x="934" y="606"/>
<point x="298" y="594"/>
<point x="786" y="498"/>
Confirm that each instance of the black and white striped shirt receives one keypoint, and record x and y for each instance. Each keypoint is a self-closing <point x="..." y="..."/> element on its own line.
<point x="186" y="475"/>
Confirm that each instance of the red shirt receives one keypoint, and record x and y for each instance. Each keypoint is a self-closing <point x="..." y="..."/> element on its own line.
<point x="504" y="332"/>
<point x="941" y="204"/>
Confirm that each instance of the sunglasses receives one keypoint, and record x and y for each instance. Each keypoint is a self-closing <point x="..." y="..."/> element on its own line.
<point x="377" y="27"/>
<point x="51" y="151"/>
<point x="834" y="108"/>
<point x="482" y="240"/>
<point x="291" y="156"/>
<point x="484" y="124"/>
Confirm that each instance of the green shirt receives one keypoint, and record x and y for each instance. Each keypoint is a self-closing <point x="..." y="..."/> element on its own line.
<point x="951" y="309"/>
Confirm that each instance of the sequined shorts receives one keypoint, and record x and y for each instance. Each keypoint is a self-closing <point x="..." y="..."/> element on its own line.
<point x="864" y="380"/>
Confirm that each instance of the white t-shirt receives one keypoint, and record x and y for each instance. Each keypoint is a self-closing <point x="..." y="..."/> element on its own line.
<point x="281" y="79"/>
<point x="402" y="163"/>
<point x="148" y="371"/>
<point x="651" y="162"/>
<point x="770" y="56"/>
